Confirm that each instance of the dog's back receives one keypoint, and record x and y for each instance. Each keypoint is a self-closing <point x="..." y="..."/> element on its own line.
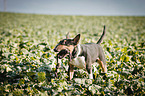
<point x="92" y="50"/>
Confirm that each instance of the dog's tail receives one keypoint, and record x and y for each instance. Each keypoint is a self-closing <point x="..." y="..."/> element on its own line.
<point x="102" y="36"/>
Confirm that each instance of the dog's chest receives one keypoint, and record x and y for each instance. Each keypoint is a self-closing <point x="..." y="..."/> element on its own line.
<point x="79" y="62"/>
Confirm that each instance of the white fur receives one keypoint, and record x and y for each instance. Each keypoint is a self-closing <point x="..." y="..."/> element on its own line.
<point x="79" y="62"/>
<point x="78" y="50"/>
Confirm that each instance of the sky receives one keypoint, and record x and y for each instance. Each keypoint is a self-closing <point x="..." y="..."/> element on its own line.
<point x="77" y="7"/>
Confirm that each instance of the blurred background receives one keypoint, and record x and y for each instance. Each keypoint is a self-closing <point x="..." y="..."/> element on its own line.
<point x="28" y="62"/>
<point x="76" y="7"/>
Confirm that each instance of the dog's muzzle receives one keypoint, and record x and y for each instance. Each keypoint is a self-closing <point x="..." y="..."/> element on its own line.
<point x="62" y="53"/>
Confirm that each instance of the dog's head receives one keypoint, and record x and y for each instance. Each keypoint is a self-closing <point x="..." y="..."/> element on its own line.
<point x="67" y="44"/>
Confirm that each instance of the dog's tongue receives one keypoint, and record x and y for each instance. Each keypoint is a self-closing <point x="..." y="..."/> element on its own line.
<point x="62" y="53"/>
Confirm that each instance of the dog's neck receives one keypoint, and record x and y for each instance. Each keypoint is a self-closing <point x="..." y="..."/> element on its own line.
<point x="77" y="51"/>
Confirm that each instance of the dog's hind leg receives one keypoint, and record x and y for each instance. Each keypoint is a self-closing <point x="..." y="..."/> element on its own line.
<point x="102" y="61"/>
<point x="103" y="66"/>
<point x="71" y="71"/>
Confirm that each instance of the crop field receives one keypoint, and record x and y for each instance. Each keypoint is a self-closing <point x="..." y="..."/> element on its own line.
<point x="27" y="59"/>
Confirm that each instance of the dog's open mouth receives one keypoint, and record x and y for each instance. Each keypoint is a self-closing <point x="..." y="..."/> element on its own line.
<point x="62" y="53"/>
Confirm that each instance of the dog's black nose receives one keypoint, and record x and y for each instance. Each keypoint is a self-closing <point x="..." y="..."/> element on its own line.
<point x="55" y="50"/>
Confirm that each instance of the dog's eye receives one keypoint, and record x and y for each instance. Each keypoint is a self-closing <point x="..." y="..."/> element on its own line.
<point x="66" y="43"/>
<point x="63" y="43"/>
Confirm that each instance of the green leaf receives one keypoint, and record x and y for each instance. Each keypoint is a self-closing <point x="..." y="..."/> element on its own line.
<point x="21" y="81"/>
<point x="31" y="73"/>
<point x="41" y="76"/>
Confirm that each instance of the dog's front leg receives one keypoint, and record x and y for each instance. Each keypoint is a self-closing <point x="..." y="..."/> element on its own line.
<point x="57" y="66"/>
<point x="89" y="66"/>
<point x="89" y="69"/>
<point x="71" y="71"/>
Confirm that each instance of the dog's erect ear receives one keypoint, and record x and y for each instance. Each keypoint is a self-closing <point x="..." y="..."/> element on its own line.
<point x="67" y="35"/>
<point x="76" y="39"/>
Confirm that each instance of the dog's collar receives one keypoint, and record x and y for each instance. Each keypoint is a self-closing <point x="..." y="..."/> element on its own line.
<point x="76" y="52"/>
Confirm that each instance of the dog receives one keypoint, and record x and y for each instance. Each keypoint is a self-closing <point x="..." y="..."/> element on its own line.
<point x="81" y="55"/>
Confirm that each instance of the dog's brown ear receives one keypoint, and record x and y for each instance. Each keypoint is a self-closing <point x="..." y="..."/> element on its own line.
<point x="76" y="39"/>
<point x="67" y="35"/>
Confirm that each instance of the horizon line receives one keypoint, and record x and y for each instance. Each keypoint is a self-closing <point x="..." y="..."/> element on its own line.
<point x="69" y="14"/>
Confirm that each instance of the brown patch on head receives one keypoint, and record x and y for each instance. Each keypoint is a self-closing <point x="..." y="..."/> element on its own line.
<point x="70" y="48"/>
<point x="61" y="47"/>
<point x="68" y="44"/>
<point x="64" y="44"/>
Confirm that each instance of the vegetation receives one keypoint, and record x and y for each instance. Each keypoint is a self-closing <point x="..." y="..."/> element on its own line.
<point x="27" y="59"/>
